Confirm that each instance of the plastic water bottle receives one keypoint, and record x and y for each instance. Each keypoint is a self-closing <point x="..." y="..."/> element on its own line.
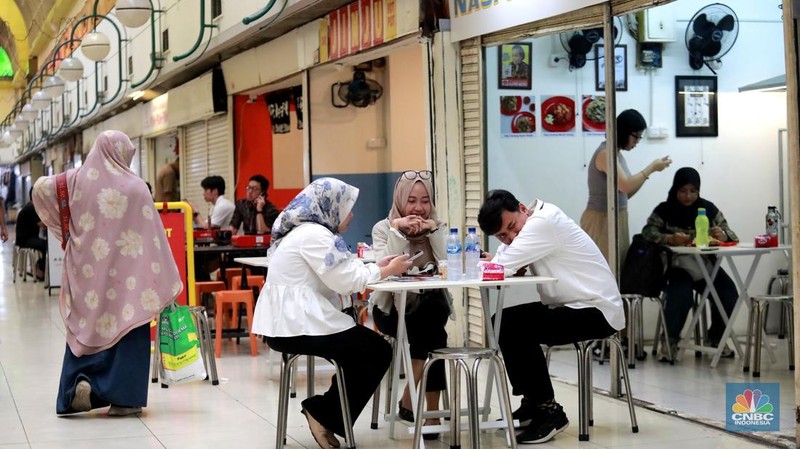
<point x="701" y="229"/>
<point x="454" y="262"/>
<point x="773" y="225"/>
<point x="472" y="255"/>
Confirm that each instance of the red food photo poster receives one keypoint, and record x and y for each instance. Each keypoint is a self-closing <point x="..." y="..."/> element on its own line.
<point x="593" y="115"/>
<point x="517" y="116"/>
<point x="558" y="115"/>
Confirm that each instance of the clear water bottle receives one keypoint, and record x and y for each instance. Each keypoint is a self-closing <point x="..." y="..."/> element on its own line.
<point x="701" y="229"/>
<point x="773" y="225"/>
<point x="472" y="255"/>
<point x="454" y="262"/>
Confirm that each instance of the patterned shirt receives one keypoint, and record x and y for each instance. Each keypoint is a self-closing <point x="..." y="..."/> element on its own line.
<point x="246" y="213"/>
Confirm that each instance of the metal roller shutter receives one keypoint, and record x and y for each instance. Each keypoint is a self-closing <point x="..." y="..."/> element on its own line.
<point x="472" y="116"/>
<point x="208" y="152"/>
<point x="220" y="152"/>
<point x="195" y="165"/>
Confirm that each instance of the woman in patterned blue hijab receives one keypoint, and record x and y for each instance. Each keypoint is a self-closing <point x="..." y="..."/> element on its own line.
<point x="299" y="310"/>
<point x="328" y="202"/>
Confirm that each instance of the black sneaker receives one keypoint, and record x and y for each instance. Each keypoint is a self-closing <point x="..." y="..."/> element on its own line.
<point x="524" y="414"/>
<point x="550" y="421"/>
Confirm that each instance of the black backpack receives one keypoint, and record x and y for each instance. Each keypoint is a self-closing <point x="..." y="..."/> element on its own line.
<point x="645" y="268"/>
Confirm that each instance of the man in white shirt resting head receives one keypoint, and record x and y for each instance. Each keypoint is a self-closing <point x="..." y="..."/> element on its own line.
<point x="584" y="304"/>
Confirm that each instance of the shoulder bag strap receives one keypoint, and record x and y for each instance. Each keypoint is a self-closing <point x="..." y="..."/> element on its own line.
<point x="63" y="207"/>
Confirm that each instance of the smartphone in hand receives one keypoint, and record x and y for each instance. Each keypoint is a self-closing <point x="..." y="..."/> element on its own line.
<point x="416" y="255"/>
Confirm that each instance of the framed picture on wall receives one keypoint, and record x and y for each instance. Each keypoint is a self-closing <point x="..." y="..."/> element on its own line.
<point x="696" y="106"/>
<point x="620" y="68"/>
<point x="514" y="66"/>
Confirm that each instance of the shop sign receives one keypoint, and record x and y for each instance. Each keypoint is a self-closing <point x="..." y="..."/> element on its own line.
<point x="355" y="27"/>
<point x="470" y="18"/>
<point x="365" y="18"/>
<point x="344" y="31"/>
<point x="156" y="118"/>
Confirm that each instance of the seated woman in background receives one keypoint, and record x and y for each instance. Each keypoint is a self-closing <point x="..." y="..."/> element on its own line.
<point x="299" y="308"/>
<point x="413" y="225"/>
<point x="672" y="223"/>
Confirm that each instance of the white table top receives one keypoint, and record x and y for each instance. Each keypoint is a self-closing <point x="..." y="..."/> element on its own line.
<point x="438" y="283"/>
<point x="252" y="261"/>
<point x="746" y="249"/>
<point x="262" y="261"/>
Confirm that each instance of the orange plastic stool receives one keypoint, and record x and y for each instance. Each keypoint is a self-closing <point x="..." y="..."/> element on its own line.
<point x="230" y="273"/>
<point x="252" y="281"/>
<point x="234" y="298"/>
<point x="206" y="287"/>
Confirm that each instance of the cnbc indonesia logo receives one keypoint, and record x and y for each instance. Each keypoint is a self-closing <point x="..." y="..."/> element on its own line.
<point x="752" y="409"/>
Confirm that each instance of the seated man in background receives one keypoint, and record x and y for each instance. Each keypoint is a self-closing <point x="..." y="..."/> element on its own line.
<point x="584" y="304"/>
<point x="255" y="213"/>
<point x="27" y="230"/>
<point x="222" y="208"/>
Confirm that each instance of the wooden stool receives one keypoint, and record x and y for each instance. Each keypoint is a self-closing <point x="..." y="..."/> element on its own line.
<point x="234" y="298"/>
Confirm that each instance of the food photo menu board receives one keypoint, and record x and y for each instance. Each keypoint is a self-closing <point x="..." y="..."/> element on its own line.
<point x="517" y="116"/>
<point x="558" y="115"/>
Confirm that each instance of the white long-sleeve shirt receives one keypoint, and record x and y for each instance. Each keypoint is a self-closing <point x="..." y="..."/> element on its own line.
<point x="551" y="244"/>
<point x="302" y="294"/>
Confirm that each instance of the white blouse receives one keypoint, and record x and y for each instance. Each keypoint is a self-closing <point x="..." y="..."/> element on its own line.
<point x="302" y="294"/>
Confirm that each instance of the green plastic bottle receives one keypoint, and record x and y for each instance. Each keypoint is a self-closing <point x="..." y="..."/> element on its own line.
<point x="701" y="229"/>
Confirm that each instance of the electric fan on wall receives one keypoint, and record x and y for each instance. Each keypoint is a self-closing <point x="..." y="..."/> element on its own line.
<point x="578" y="44"/>
<point x="360" y="92"/>
<point x="711" y="34"/>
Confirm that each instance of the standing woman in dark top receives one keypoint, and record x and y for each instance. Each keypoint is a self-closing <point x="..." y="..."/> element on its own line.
<point x="672" y="223"/>
<point x="630" y="129"/>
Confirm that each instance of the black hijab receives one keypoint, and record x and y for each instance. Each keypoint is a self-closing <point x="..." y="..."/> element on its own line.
<point x="676" y="214"/>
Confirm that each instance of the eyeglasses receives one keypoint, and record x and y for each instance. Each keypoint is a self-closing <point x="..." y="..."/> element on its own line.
<point x="252" y="188"/>
<point x="413" y="174"/>
<point x="638" y="137"/>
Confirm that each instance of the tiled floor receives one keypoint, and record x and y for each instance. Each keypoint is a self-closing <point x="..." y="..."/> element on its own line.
<point x="241" y="411"/>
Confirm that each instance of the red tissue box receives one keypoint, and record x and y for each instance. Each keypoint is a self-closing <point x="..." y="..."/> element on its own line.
<point x="492" y="271"/>
<point x="249" y="241"/>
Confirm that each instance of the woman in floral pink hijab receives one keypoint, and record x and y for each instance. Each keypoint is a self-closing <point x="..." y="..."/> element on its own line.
<point x="118" y="274"/>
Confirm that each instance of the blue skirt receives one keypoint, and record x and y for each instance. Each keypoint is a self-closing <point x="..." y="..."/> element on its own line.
<point x="118" y="375"/>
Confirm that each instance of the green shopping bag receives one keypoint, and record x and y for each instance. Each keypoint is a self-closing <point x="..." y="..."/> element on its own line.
<point x="181" y="358"/>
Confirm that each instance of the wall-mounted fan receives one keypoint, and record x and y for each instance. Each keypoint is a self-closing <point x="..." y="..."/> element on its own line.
<point x="578" y="44"/>
<point x="711" y="34"/>
<point x="360" y="92"/>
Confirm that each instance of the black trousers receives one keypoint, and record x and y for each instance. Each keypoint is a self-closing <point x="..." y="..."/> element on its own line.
<point x="425" y="330"/>
<point x="680" y="299"/>
<point x="363" y="355"/>
<point x="527" y="326"/>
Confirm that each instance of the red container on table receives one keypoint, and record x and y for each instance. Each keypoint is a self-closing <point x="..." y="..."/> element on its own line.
<point x="250" y="241"/>
<point x="763" y="241"/>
